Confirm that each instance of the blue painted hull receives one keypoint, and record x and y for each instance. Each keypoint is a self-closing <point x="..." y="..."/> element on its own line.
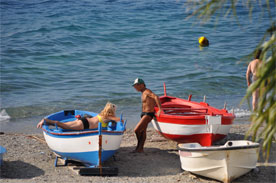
<point x="91" y="158"/>
<point x="2" y="152"/>
<point x="83" y="145"/>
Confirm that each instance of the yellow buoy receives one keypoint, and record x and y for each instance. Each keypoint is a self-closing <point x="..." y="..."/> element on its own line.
<point x="203" y="41"/>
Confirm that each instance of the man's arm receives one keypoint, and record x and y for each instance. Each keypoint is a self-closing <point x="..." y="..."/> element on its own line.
<point x="157" y="101"/>
<point x="248" y="72"/>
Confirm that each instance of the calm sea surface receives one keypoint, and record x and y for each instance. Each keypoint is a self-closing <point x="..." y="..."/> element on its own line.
<point x="59" y="55"/>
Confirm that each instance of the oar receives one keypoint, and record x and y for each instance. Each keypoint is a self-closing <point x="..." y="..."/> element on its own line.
<point x="125" y="124"/>
<point x="165" y="91"/>
<point x="121" y="117"/>
<point x="100" y="148"/>
<point x="121" y="120"/>
<point x="99" y="169"/>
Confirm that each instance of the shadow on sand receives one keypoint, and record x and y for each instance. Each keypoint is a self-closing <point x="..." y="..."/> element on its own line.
<point x="19" y="170"/>
<point x="153" y="162"/>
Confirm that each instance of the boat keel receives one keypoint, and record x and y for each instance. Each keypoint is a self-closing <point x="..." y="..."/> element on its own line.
<point x="98" y="171"/>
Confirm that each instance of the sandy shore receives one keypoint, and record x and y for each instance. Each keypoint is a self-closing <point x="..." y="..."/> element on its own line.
<point x="28" y="159"/>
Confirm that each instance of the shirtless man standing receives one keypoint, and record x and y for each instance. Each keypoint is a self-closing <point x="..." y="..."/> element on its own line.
<point x="252" y="70"/>
<point x="149" y="100"/>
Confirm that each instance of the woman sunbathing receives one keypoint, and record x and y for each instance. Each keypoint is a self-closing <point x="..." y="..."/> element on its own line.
<point x="86" y="122"/>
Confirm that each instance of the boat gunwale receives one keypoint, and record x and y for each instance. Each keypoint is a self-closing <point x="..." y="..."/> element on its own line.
<point x="76" y="133"/>
<point x="199" y="115"/>
<point x="201" y="119"/>
<point x="218" y="148"/>
<point x="201" y="106"/>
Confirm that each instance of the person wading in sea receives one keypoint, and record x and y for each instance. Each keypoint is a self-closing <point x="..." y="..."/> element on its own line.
<point x="252" y="70"/>
<point x="149" y="101"/>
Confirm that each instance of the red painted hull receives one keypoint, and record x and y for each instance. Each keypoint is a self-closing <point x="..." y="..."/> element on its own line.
<point x="186" y="121"/>
<point x="205" y="139"/>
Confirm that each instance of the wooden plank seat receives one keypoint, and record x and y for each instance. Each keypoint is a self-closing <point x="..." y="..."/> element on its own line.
<point x="184" y="109"/>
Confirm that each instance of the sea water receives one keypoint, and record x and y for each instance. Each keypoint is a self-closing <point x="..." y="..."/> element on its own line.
<point x="58" y="55"/>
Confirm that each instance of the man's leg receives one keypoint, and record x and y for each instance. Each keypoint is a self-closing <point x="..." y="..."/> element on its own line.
<point x="255" y="97"/>
<point x="141" y="132"/>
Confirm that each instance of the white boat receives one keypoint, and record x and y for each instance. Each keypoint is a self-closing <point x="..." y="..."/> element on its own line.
<point x="224" y="163"/>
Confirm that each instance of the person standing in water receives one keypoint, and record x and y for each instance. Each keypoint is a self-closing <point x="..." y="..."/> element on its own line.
<point x="149" y="101"/>
<point x="252" y="70"/>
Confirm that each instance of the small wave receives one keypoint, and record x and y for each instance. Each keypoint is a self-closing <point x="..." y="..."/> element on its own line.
<point x="242" y="113"/>
<point x="4" y="116"/>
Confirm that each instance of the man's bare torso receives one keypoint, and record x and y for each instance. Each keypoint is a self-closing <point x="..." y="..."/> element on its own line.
<point x="148" y="103"/>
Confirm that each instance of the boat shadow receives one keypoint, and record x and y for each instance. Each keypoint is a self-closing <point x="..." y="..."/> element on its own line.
<point x="19" y="170"/>
<point x="153" y="162"/>
<point x="229" y="137"/>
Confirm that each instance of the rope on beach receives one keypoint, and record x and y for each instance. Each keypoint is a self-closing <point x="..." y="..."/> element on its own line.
<point x="28" y="136"/>
<point x="35" y="137"/>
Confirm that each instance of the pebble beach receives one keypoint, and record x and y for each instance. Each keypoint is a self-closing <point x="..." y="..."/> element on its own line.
<point x="59" y="55"/>
<point x="29" y="159"/>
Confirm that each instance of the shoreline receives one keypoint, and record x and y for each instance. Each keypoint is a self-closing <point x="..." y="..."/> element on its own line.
<point x="29" y="159"/>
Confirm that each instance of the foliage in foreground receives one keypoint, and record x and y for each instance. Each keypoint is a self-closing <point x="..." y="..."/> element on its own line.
<point x="263" y="119"/>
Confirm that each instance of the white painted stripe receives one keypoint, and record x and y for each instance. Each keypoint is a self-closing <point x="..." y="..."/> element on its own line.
<point x="213" y="120"/>
<point x="179" y="129"/>
<point x="81" y="144"/>
<point x="111" y="142"/>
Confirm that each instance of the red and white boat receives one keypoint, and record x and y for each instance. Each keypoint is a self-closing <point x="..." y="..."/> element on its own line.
<point x="186" y="121"/>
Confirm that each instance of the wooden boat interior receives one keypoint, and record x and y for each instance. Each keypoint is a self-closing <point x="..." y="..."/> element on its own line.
<point x="171" y="107"/>
<point x="229" y="145"/>
<point x="70" y="115"/>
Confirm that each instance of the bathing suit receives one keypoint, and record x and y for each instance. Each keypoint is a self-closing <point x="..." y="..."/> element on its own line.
<point x="85" y="123"/>
<point x="101" y="120"/>
<point x="151" y="114"/>
<point x="254" y="78"/>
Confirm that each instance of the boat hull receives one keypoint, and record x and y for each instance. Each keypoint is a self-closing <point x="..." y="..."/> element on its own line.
<point x="84" y="148"/>
<point x="204" y="134"/>
<point x="90" y="146"/>
<point x="186" y="121"/>
<point x="223" y="163"/>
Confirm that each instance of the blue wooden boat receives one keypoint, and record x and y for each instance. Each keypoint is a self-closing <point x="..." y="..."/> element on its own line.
<point x="2" y="152"/>
<point x="89" y="146"/>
